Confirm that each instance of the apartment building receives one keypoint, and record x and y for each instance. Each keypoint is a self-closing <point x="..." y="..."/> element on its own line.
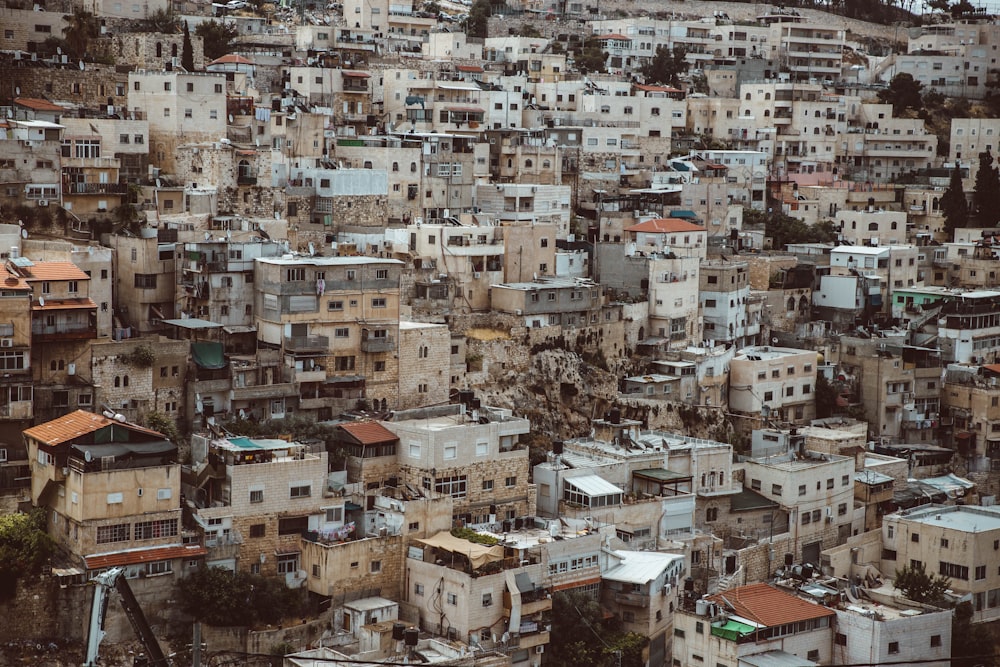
<point x="181" y="108"/>
<point x="674" y="313"/>
<point x="968" y="414"/>
<point x="882" y="148"/>
<point x="969" y="138"/>
<point x="776" y="382"/>
<point x="810" y="51"/>
<point x="120" y="491"/>
<point x="342" y="312"/>
<point x="958" y="542"/>
<point x="469" y="452"/>
<point x="872" y="227"/>
<point x="215" y="280"/>
<point x="522" y="202"/>
<point x="30" y="171"/>
<point x="254" y="498"/>
<point x="729" y="313"/>
<point x="643" y="588"/>
<point x="970" y="332"/>
<point x="144" y="284"/>
<point x="759" y="621"/>
<point x="566" y="302"/>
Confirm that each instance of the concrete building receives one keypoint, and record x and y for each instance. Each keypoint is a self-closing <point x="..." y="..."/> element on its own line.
<point x="569" y="303"/>
<point x="776" y="382"/>
<point x="120" y="500"/>
<point x="757" y="620"/>
<point x="472" y="453"/>
<point x="958" y="542"/>
<point x="342" y="312"/>
<point x="816" y="489"/>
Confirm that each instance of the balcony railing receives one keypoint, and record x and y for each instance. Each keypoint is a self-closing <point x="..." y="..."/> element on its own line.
<point x="632" y="599"/>
<point x="307" y="343"/>
<point x="98" y="188"/>
<point x="378" y="344"/>
<point x="42" y="333"/>
<point x="246" y="180"/>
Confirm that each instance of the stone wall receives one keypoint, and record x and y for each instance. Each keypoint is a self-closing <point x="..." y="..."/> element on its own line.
<point x="140" y="49"/>
<point x="90" y="88"/>
<point x="346" y="569"/>
<point x="122" y="384"/>
<point x="424" y="365"/>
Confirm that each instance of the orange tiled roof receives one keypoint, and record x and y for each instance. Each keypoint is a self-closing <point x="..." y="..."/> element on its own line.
<point x="74" y="425"/>
<point x="13" y="282"/>
<point x="55" y="271"/>
<point x="64" y="304"/>
<point x="665" y="226"/>
<point x="369" y="433"/>
<point x="231" y="58"/>
<point x="469" y="68"/>
<point x="765" y="604"/>
<point x="657" y="89"/>
<point x="38" y="104"/>
<point x="614" y="36"/>
<point x="101" y="561"/>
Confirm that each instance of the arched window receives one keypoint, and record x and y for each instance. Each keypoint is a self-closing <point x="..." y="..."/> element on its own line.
<point x="528" y="164"/>
<point x="52" y="365"/>
<point x="244" y="169"/>
<point x="747" y="98"/>
<point x="767" y="96"/>
<point x="894" y="225"/>
<point x="118" y="381"/>
<point x="803" y="304"/>
<point x="159" y="50"/>
<point x="368" y="164"/>
<point x="395" y="166"/>
<point x="173" y="50"/>
<point x="413" y="167"/>
<point x="546" y="164"/>
<point x="125" y="381"/>
<point x="817" y="113"/>
<point x="767" y="113"/>
<point x="791" y="303"/>
<point x="873" y="226"/>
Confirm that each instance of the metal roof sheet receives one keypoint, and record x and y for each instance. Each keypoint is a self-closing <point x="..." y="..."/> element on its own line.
<point x="593" y="485"/>
<point x="640" y="567"/>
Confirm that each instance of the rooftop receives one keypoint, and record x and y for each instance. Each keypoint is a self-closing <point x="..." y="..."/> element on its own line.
<point x="766" y="605"/>
<point x="665" y="226"/>
<point x="966" y="518"/>
<point x="368" y="433"/>
<point x="78" y="423"/>
<point x="640" y="567"/>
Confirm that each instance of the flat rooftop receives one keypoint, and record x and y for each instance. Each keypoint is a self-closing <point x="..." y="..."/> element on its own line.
<point x="966" y="518"/>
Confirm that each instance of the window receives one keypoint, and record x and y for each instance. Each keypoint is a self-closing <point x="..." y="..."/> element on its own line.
<point x="288" y="563"/>
<point x="893" y="648"/>
<point x="257" y="496"/>
<point x="342" y="332"/>
<point x="295" y="275"/>
<point x="151" y="530"/>
<point x="335" y="305"/>
<point x="418" y="589"/>
<point x="487" y="599"/>
<point x="980" y="572"/>
<point x="382" y="274"/>
<point x="379" y="302"/>
<point x="935" y="641"/>
<point x="301" y="491"/>
<point x="334" y="514"/>
<point x="956" y="571"/>
<point x="510" y="481"/>
<point x="915" y="537"/>
<point x="776" y="489"/>
<point x="145" y="280"/>
<point x="258" y="530"/>
<point x="711" y="514"/>
<point x="802" y="489"/>
<point x="375" y="566"/>
<point x="116" y="533"/>
<point x="840" y="639"/>
<point x="944" y="542"/>
<point x="487" y="485"/>
<point x="453" y="485"/>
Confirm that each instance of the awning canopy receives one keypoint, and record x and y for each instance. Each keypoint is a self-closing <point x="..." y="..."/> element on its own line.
<point x="478" y="554"/>
<point x="593" y="485"/>
<point x="193" y="323"/>
<point x="209" y="355"/>
<point x="120" y="449"/>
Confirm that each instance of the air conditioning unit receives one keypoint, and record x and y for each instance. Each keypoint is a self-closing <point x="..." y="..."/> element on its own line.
<point x="477" y="275"/>
<point x="540" y="648"/>
<point x="43" y="202"/>
<point x="6" y="342"/>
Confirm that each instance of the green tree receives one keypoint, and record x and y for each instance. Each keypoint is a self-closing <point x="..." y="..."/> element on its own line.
<point x="917" y="585"/>
<point x="81" y="27"/>
<point x="217" y="37"/>
<point x="591" y="58"/>
<point x="582" y="636"/>
<point x="162" y="20"/>
<point x="954" y="203"/>
<point x="784" y="229"/>
<point x="187" y="51"/>
<point x="162" y="423"/>
<point x="666" y="66"/>
<point x="971" y="643"/>
<point x="24" y="548"/>
<point x="986" y="196"/>
<point x="825" y="396"/>
<point x="903" y="93"/>
<point x="478" y="22"/>
<point x="219" y="597"/>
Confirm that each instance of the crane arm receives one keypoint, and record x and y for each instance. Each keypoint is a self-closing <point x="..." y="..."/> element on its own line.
<point x="104" y="582"/>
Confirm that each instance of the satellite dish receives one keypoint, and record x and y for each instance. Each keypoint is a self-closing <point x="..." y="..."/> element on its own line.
<point x="81" y="66"/>
<point x="230" y="118"/>
<point x="24" y="233"/>
<point x="87" y="456"/>
<point x="774" y="341"/>
<point x="17" y="90"/>
<point x="59" y="50"/>
<point x="41" y="301"/>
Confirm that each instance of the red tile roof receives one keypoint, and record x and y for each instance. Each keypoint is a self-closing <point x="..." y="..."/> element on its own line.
<point x="665" y="226"/>
<point x="469" y="68"/>
<point x="358" y="74"/>
<point x="657" y="89"/>
<point x="369" y="433"/>
<point x="64" y="304"/>
<point x="615" y="36"/>
<point x="101" y="561"/>
<point x="231" y="58"/>
<point x="38" y="104"/>
<point x="55" y="271"/>
<point x="75" y="424"/>
<point x="765" y="604"/>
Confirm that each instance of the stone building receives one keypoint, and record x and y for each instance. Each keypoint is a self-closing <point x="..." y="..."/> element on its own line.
<point x="424" y="378"/>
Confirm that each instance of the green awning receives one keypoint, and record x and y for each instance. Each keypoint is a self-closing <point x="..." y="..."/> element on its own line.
<point x="732" y="630"/>
<point x="683" y="213"/>
<point x="208" y="355"/>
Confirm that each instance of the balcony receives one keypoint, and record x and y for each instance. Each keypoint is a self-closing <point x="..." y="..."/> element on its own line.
<point x="41" y="333"/>
<point x="378" y="344"/>
<point x="16" y="410"/>
<point x="539" y="605"/>
<point x="317" y="374"/>
<point x="97" y="189"/>
<point x="260" y="391"/>
<point x="632" y="599"/>
<point x="246" y="179"/>
<point x="307" y="344"/>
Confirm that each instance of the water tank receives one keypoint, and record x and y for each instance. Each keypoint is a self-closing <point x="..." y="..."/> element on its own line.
<point x="807" y="571"/>
<point x="397" y="631"/>
<point x="557" y="446"/>
<point x="476" y="403"/>
<point x="506" y="525"/>
<point x="701" y="607"/>
<point x="465" y="397"/>
<point x="789" y="559"/>
<point x="689" y="583"/>
<point x="616" y="416"/>
<point x="410" y="636"/>
<point x="518" y="523"/>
